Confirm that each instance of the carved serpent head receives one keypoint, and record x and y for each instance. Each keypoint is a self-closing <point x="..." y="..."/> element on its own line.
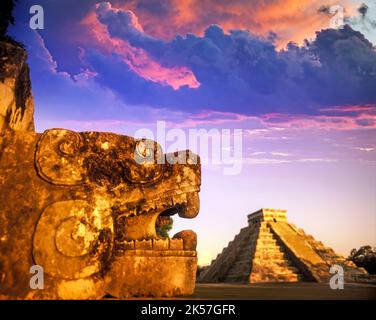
<point x="118" y="191"/>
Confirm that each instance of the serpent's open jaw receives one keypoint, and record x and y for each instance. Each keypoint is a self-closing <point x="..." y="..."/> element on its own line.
<point x="138" y="229"/>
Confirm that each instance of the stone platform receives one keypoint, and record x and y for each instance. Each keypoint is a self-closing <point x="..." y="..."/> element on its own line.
<point x="278" y="291"/>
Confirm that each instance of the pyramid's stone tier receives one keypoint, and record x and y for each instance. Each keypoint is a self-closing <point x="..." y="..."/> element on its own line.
<point x="267" y="215"/>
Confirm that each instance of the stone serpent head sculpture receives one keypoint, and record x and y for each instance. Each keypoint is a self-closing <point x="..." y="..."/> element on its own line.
<point x="86" y="207"/>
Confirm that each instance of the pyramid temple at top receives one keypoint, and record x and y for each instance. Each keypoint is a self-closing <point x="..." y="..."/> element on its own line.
<point x="270" y="249"/>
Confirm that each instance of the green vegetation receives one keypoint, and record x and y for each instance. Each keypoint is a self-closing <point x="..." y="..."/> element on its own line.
<point x="164" y="225"/>
<point x="365" y="257"/>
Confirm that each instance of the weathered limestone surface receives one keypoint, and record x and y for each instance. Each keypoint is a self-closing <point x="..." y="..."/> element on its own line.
<point x="86" y="207"/>
<point x="174" y="273"/>
<point x="16" y="101"/>
<point x="270" y="249"/>
<point x="75" y="203"/>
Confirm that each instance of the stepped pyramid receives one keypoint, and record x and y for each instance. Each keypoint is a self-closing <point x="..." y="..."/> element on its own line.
<point x="270" y="249"/>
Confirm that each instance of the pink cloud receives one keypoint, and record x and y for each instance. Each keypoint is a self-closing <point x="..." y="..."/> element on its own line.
<point x="212" y="118"/>
<point x="364" y="117"/>
<point x="137" y="59"/>
<point x="360" y="109"/>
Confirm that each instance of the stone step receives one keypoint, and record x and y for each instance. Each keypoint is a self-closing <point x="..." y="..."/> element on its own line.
<point x="241" y="262"/>
<point x="279" y="267"/>
<point x="247" y="250"/>
<point x="289" y="278"/>
<point x="278" y="271"/>
<point x="239" y="267"/>
<point x="275" y="278"/>
<point x="276" y="263"/>
<point x="244" y="258"/>
<point x="269" y="249"/>
<point x="239" y="274"/>
<point x="287" y="270"/>
<point x="267" y="242"/>
<point x="265" y="234"/>
<point x="270" y="255"/>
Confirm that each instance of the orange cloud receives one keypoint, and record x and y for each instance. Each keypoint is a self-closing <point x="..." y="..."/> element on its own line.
<point x="137" y="59"/>
<point x="291" y="20"/>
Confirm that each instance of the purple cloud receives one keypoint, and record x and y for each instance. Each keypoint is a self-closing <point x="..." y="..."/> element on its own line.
<point x="245" y="73"/>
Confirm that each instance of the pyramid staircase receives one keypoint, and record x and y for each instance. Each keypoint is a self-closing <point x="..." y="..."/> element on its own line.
<point x="270" y="249"/>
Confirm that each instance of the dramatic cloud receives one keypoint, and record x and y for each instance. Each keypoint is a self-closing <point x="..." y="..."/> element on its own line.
<point x="292" y="20"/>
<point x="237" y="71"/>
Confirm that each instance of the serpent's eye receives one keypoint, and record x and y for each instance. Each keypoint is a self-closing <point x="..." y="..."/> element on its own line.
<point x="142" y="149"/>
<point x="145" y="166"/>
<point x="144" y="153"/>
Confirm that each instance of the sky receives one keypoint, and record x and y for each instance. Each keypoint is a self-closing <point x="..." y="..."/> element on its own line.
<point x="303" y="94"/>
